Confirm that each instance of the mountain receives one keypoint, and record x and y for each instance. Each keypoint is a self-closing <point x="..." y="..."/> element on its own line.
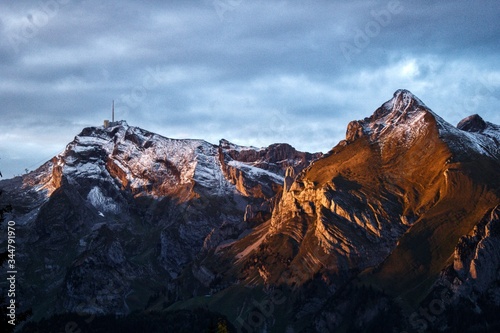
<point x="400" y="170"/>
<point x="390" y="205"/>
<point x="122" y="212"/>
<point x="395" y="229"/>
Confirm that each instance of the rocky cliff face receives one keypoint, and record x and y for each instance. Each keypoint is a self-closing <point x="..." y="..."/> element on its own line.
<point x="476" y="261"/>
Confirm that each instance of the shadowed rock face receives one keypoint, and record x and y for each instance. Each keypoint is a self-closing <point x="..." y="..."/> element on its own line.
<point x="473" y="123"/>
<point x="125" y="219"/>
<point x="477" y="257"/>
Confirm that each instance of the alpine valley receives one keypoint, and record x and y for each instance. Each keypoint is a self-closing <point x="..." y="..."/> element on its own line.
<point x="396" y="229"/>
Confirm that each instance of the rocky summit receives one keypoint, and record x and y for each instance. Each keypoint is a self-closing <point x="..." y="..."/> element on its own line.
<point x="396" y="228"/>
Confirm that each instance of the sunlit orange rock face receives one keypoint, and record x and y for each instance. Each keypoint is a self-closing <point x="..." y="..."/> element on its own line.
<point x="404" y="182"/>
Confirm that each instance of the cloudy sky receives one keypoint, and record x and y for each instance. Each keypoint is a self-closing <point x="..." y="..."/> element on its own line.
<point x="252" y="72"/>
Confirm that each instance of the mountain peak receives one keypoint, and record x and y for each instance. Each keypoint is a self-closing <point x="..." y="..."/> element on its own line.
<point x="403" y="101"/>
<point x="403" y="109"/>
<point x="472" y="123"/>
<point x="406" y="97"/>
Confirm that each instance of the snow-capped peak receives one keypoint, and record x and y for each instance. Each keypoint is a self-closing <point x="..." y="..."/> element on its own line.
<point x="405" y="118"/>
<point x="404" y="113"/>
<point x="145" y="163"/>
<point x="403" y="100"/>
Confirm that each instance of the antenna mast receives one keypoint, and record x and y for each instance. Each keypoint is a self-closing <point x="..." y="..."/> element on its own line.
<point x="113" y="112"/>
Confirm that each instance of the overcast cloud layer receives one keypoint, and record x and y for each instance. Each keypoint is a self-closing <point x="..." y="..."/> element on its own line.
<point x="252" y="72"/>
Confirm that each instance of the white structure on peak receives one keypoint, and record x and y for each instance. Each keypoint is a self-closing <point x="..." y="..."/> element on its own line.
<point x="112" y="123"/>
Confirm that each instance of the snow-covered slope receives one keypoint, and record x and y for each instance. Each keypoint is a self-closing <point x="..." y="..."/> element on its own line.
<point x="150" y="164"/>
<point x="141" y="161"/>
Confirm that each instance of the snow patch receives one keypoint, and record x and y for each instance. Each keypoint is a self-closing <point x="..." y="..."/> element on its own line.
<point x="101" y="202"/>
<point x="255" y="172"/>
<point x="231" y="146"/>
